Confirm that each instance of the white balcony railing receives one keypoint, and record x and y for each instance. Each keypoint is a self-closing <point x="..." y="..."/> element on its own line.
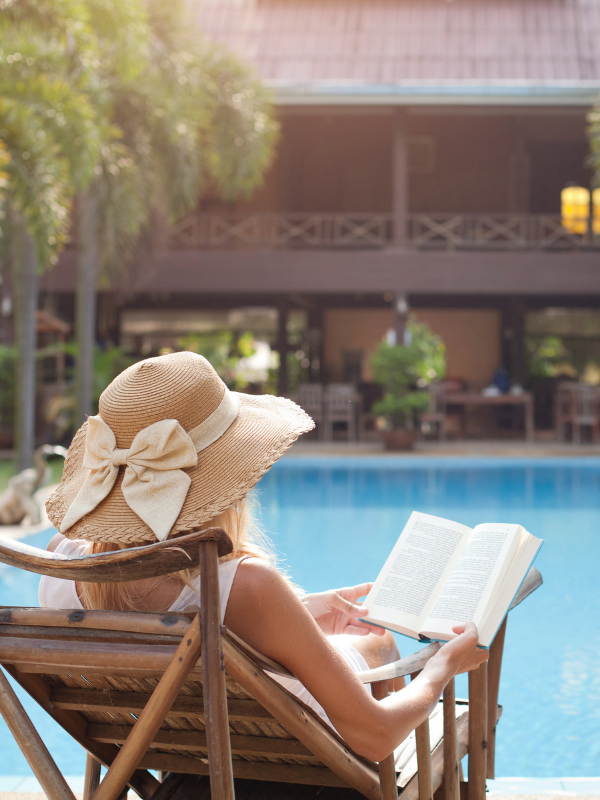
<point x="372" y="231"/>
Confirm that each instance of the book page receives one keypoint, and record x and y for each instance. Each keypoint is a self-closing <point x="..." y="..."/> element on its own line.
<point x="417" y="567"/>
<point x="473" y="579"/>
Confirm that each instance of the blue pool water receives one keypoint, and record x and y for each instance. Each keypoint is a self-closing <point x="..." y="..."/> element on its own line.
<point x="335" y="520"/>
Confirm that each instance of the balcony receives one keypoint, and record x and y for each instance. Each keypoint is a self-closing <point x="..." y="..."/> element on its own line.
<point x="355" y="231"/>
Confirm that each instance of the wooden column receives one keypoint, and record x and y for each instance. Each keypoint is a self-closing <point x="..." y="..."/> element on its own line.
<point x="387" y="767"/>
<point x="400" y="317"/>
<point x="400" y="178"/>
<point x="477" y="732"/>
<point x="213" y="672"/>
<point x="282" y="348"/>
<point x="494" y="666"/>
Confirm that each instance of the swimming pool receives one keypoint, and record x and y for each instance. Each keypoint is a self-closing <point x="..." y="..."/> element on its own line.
<point x="336" y="521"/>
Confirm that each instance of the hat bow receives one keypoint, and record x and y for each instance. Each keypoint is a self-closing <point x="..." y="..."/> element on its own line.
<point x="154" y="485"/>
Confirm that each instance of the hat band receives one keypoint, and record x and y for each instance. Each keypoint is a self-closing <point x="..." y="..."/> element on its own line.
<point x="215" y="425"/>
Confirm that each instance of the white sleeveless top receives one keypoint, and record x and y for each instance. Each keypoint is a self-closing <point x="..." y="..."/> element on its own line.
<point x="62" y="593"/>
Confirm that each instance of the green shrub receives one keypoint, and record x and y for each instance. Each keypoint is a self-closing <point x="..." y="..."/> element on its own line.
<point x="404" y="370"/>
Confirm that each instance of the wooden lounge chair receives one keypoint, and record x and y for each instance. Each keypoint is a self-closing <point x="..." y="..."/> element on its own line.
<point x="180" y="694"/>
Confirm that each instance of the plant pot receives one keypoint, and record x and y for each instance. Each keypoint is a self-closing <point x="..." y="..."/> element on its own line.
<point x="399" y="439"/>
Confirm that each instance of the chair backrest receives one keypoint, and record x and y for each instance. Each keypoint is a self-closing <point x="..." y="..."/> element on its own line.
<point x="585" y="402"/>
<point x="309" y="396"/>
<point x="437" y="398"/>
<point x="339" y="396"/>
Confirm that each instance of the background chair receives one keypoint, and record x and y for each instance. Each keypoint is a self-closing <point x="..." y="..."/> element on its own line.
<point x="310" y="397"/>
<point x="577" y="405"/>
<point x="342" y="403"/>
<point x="131" y="689"/>
<point x="436" y="413"/>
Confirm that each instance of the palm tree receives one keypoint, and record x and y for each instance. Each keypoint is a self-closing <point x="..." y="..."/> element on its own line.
<point x="184" y="115"/>
<point x="47" y="130"/>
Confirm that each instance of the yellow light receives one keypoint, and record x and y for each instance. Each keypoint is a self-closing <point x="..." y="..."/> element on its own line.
<point x="596" y="211"/>
<point x="575" y="209"/>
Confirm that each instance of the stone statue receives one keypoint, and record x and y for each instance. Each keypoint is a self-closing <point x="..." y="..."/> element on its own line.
<point x="17" y="501"/>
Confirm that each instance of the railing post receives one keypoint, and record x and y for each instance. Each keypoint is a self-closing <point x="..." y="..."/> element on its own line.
<point x="400" y="178"/>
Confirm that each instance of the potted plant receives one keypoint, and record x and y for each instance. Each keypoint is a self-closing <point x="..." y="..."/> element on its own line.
<point x="404" y="371"/>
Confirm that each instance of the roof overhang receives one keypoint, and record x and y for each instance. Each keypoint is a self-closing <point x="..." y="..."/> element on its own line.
<point x="463" y="93"/>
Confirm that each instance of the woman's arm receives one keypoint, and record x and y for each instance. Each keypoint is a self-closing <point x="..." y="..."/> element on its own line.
<point x="265" y="612"/>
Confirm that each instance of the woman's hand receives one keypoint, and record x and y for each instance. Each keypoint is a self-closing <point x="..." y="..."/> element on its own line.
<point x="459" y="655"/>
<point x="335" y="611"/>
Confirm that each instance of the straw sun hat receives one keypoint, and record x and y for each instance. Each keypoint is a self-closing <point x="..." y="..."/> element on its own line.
<point x="171" y="448"/>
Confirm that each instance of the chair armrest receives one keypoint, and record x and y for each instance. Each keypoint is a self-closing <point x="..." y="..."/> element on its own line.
<point x="405" y="666"/>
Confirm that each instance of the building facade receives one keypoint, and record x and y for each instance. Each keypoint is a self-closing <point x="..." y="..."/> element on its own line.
<point x="424" y="146"/>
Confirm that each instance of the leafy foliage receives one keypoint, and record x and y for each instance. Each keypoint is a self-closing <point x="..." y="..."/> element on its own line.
<point x="224" y="350"/>
<point x="403" y="370"/>
<point x="545" y="355"/>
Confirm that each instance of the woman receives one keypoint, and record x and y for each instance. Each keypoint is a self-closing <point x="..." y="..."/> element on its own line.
<point x="172" y="448"/>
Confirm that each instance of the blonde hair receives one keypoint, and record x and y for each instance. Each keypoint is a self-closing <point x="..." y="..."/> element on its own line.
<point x="248" y="540"/>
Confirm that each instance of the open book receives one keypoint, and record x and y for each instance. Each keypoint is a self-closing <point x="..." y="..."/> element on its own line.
<point x="441" y="573"/>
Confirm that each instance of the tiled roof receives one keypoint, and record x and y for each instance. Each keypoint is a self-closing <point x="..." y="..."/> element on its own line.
<point x="419" y="49"/>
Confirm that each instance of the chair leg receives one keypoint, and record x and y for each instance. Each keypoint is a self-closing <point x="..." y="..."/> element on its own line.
<point x="33" y="748"/>
<point x="92" y="777"/>
<point x="423" y="757"/>
<point x="387" y="767"/>
<point x="477" y="732"/>
<point x="451" y="770"/>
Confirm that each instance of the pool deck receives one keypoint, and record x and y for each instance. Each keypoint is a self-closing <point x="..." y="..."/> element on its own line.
<point x="27" y="788"/>
<point x="504" y="448"/>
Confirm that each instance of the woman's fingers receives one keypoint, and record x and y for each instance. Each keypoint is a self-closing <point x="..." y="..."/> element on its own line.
<point x="352" y="593"/>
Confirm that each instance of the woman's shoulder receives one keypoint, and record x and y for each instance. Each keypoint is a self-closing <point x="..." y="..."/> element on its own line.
<point x="67" y="547"/>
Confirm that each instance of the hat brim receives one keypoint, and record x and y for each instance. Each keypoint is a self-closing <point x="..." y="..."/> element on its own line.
<point x="227" y="470"/>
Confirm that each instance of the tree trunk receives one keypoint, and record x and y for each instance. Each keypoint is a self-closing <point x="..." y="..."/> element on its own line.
<point x="85" y="313"/>
<point x="23" y="259"/>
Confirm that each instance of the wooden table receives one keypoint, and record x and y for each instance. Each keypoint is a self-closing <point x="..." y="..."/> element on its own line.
<point x="475" y="399"/>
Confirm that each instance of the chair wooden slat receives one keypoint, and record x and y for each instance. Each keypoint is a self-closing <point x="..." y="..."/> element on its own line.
<point x="134" y="703"/>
